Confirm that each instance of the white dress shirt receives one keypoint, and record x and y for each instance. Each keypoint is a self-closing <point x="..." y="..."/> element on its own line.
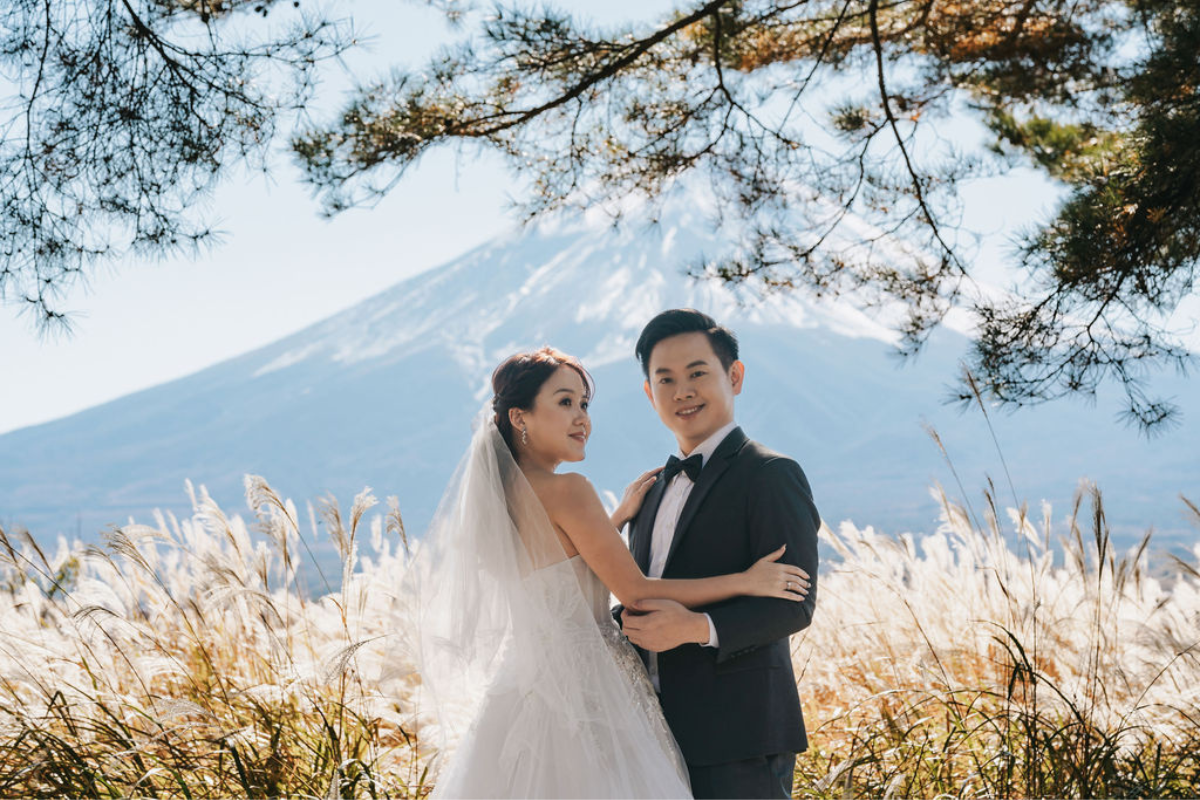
<point x="669" y="509"/>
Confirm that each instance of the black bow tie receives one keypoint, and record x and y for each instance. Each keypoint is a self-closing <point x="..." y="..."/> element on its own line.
<point x="691" y="465"/>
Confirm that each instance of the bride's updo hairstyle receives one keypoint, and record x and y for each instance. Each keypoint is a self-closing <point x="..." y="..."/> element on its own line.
<point x="516" y="382"/>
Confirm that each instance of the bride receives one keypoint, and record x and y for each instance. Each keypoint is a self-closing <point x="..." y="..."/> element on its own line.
<point x="517" y="645"/>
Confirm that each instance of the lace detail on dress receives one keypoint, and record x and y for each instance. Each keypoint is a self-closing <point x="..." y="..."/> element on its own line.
<point x="644" y="696"/>
<point x="642" y="693"/>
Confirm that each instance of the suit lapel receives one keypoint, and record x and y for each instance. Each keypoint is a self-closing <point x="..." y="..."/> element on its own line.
<point x="644" y="526"/>
<point x="720" y="460"/>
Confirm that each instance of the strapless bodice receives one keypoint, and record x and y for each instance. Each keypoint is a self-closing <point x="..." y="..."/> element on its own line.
<point x="595" y="593"/>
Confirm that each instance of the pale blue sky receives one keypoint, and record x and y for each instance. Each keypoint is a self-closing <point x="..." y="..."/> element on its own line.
<point x="281" y="267"/>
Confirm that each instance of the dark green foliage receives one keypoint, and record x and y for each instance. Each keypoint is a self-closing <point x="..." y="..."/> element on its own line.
<point x="808" y="118"/>
<point x="1123" y="248"/>
<point x="1101" y="94"/>
<point x="120" y="117"/>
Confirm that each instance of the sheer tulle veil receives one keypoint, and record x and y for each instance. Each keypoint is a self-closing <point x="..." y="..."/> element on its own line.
<point x="534" y="690"/>
<point x="464" y="604"/>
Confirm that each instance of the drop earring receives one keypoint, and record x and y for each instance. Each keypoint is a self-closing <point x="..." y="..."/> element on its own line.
<point x="525" y="436"/>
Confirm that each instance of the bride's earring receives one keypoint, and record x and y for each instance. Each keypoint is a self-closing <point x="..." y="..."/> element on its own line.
<point x="525" y="436"/>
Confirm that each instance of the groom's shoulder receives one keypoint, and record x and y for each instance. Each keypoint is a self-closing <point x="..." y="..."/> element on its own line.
<point x="764" y="462"/>
<point x="769" y="470"/>
<point x="757" y="453"/>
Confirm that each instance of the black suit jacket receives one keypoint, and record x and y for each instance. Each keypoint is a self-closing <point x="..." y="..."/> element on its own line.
<point x="739" y="700"/>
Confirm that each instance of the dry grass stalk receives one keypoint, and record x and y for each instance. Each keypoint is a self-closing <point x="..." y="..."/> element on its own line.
<point x="185" y="660"/>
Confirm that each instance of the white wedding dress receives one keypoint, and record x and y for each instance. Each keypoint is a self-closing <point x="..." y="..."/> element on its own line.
<point x="583" y="724"/>
<point x="537" y="692"/>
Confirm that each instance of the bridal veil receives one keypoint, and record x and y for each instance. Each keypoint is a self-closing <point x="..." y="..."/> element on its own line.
<point x="534" y="690"/>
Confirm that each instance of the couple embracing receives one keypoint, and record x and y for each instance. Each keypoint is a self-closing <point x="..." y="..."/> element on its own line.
<point x="686" y="688"/>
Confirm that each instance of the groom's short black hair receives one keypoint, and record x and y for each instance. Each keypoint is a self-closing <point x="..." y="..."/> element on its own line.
<point x="686" y="320"/>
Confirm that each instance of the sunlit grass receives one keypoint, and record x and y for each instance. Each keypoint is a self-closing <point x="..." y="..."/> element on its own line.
<point x="186" y="660"/>
<point x="183" y="660"/>
<point x="975" y="663"/>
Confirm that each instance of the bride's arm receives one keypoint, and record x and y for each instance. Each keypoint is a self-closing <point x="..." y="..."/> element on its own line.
<point x="576" y="508"/>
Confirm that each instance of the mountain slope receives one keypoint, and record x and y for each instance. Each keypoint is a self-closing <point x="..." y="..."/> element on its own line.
<point x="382" y="394"/>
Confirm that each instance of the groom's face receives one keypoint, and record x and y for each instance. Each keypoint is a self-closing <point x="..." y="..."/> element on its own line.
<point x="692" y="393"/>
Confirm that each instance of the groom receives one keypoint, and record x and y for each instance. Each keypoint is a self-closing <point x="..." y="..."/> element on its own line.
<point x="724" y="672"/>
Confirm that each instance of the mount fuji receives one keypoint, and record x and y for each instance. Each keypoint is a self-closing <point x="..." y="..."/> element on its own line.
<point x="383" y="394"/>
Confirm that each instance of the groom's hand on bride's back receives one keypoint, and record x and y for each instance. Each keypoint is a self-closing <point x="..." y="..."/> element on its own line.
<point x="658" y="625"/>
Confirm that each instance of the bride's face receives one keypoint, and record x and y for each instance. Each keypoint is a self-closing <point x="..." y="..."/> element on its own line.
<point x="559" y="424"/>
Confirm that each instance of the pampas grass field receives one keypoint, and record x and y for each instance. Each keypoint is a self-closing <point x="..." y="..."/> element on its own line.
<point x="988" y="659"/>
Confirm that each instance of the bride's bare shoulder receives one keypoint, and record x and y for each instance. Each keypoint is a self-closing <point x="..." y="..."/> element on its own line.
<point x="569" y="485"/>
<point x="565" y="491"/>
